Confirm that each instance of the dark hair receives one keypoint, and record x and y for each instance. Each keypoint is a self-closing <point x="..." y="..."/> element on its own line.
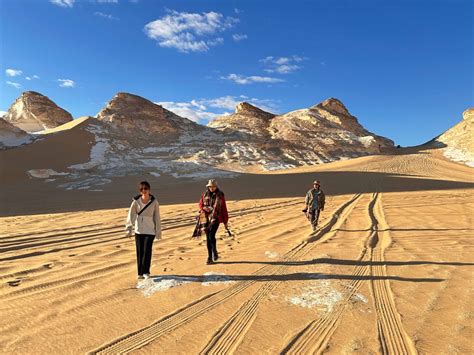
<point x="144" y="183"/>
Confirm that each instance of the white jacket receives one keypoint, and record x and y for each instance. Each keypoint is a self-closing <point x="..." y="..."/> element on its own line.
<point x="147" y="222"/>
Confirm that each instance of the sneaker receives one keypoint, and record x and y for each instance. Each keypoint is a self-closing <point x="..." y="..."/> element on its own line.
<point x="146" y="276"/>
<point x="209" y="262"/>
<point x="141" y="277"/>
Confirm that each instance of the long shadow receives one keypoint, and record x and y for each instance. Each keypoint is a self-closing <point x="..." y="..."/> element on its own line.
<point x="300" y="276"/>
<point x="170" y="190"/>
<point x="350" y="262"/>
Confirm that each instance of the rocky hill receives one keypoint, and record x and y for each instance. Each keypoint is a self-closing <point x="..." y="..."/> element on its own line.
<point x="134" y="136"/>
<point x="137" y="116"/>
<point x="322" y="133"/>
<point x="33" y="112"/>
<point x="459" y="140"/>
<point x="247" y="119"/>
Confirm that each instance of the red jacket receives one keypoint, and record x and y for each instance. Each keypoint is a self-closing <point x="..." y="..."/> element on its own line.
<point x="220" y="213"/>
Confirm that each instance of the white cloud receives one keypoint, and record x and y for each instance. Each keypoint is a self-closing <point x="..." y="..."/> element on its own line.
<point x="205" y="110"/>
<point x="282" y="65"/>
<point x="66" y="83"/>
<point x="239" y="37"/>
<point x="3" y="113"/>
<point x="106" y="16"/>
<point x="15" y="85"/>
<point x="243" y="80"/>
<point x="189" y="110"/>
<point x="13" y="72"/>
<point x="189" y="32"/>
<point x="32" y="77"/>
<point x="107" y="1"/>
<point x="63" y="3"/>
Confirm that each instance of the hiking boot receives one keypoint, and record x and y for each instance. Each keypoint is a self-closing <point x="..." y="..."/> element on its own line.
<point x="146" y="276"/>
<point x="216" y="257"/>
<point x="141" y="277"/>
<point x="209" y="262"/>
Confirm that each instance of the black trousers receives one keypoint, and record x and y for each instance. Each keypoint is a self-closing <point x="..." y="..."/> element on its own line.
<point x="144" y="244"/>
<point x="314" y="218"/>
<point x="211" y="241"/>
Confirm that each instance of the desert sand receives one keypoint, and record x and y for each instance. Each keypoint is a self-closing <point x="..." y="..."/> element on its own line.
<point x="389" y="269"/>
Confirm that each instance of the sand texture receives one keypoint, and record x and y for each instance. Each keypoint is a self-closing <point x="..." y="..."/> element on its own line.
<point x="389" y="269"/>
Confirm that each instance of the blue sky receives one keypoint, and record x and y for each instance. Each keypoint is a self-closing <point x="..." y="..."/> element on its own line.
<point x="404" y="68"/>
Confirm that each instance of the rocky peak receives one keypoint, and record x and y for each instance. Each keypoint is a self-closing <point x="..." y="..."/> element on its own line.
<point x="246" y="108"/>
<point x="34" y="112"/>
<point x="334" y="105"/>
<point x="134" y="113"/>
<point x="468" y="114"/>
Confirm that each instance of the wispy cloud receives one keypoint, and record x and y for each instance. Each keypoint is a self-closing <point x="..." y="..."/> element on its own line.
<point x="282" y="65"/>
<point x="189" y="32"/>
<point x="106" y="16"/>
<point x="13" y="72"/>
<point x="66" y="83"/>
<point x="239" y="37"/>
<point x="205" y="110"/>
<point x="15" y="85"/>
<point x="63" y="3"/>
<point x="244" y="80"/>
<point x="107" y="1"/>
<point x="32" y="77"/>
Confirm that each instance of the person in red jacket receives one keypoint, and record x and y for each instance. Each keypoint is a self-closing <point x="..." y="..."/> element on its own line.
<point x="212" y="203"/>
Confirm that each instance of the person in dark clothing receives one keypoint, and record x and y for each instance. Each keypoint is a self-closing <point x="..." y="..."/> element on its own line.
<point x="143" y="219"/>
<point x="314" y="201"/>
<point x="213" y="205"/>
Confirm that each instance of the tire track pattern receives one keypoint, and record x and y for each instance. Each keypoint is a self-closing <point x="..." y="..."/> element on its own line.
<point x="144" y="336"/>
<point x="231" y="334"/>
<point x="316" y="335"/>
<point x="392" y="336"/>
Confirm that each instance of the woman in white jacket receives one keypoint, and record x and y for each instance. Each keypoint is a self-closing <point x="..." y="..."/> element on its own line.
<point x="144" y="220"/>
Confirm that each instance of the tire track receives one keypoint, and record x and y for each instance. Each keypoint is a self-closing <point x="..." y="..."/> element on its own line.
<point x="79" y="238"/>
<point x="231" y="334"/>
<point x="66" y="282"/>
<point x="392" y="336"/>
<point x="316" y="335"/>
<point x="144" y="336"/>
<point x="168" y="223"/>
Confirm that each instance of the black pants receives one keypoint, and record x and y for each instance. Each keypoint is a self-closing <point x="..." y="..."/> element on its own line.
<point x="211" y="241"/>
<point x="144" y="243"/>
<point x="314" y="218"/>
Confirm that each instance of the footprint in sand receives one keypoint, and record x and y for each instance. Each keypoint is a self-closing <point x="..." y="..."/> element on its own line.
<point x="48" y="265"/>
<point x="14" y="283"/>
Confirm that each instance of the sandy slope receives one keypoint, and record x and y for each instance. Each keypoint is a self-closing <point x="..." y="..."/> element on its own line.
<point x="389" y="270"/>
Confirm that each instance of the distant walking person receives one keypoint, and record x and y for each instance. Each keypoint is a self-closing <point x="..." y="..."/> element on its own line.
<point x="212" y="205"/>
<point x="144" y="220"/>
<point x="315" y="200"/>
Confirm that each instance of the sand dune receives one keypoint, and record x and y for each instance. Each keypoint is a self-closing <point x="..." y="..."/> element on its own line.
<point x="389" y="269"/>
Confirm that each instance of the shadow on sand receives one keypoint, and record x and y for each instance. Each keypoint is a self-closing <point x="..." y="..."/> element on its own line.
<point x="39" y="197"/>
